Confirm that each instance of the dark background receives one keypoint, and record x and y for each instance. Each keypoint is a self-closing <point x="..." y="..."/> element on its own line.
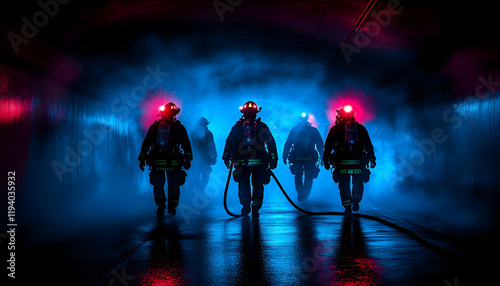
<point x="423" y="73"/>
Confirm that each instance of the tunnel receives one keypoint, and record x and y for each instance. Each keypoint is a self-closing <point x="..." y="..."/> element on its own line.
<point x="81" y="82"/>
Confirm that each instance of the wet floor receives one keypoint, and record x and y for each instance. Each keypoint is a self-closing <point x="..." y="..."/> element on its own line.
<point x="283" y="247"/>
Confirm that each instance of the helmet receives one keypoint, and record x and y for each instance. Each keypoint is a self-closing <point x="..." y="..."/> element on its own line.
<point x="344" y="113"/>
<point x="203" y="121"/>
<point x="169" y="110"/>
<point x="250" y="107"/>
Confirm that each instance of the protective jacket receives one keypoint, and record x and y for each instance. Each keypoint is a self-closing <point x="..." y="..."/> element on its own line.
<point x="204" y="145"/>
<point x="177" y="150"/>
<point x="348" y="158"/>
<point x="246" y="144"/>
<point x="303" y="144"/>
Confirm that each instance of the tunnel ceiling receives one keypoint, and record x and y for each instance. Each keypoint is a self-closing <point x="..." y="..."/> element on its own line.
<point x="421" y="38"/>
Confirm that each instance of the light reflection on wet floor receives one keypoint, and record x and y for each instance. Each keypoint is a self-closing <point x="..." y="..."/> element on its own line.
<point x="283" y="247"/>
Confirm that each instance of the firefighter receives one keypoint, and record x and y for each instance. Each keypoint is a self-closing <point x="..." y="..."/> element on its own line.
<point x="246" y="148"/>
<point x="349" y="150"/>
<point x="202" y="141"/>
<point x="166" y="148"/>
<point x="304" y="151"/>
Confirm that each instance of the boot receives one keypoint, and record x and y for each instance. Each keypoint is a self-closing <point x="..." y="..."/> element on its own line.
<point x="301" y="196"/>
<point x="171" y="209"/>
<point x="348" y="209"/>
<point x="245" y="210"/>
<point x="161" y="209"/>
<point x="255" y="211"/>
<point x="355" y="206"/>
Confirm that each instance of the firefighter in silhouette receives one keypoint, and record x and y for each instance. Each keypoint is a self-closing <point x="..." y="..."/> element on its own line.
<point x="303" y="149"/>
<point x="166" y="148"/>
<point x="205" y="154"/>
<point x="349" y="150"/>
<point x="246" y="148"/>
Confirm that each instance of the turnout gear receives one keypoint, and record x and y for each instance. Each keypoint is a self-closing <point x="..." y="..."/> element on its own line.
<point x="166" y="149"/>
<point x="251" y="148"/>
<point x="251" y="152"/>
<point x="303" y="149"/>
<point x="349" y="150"/>
<point x="202" y="141"/>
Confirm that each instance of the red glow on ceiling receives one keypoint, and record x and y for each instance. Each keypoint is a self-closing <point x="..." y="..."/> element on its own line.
<point x="364" y="106"/>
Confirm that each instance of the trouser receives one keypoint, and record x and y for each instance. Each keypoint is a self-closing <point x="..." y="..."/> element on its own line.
<point x="259" y="177"/>
<point x="175" y="179"/>
<point x="202" y="173"/>
<point x="344" y="181"/>
<point x="307" y="170"/>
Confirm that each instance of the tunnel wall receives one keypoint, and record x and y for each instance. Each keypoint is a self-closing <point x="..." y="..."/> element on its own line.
<point x="447" y="154"/>
<point x="75" y="158"/>
<point x="72" y="156"/>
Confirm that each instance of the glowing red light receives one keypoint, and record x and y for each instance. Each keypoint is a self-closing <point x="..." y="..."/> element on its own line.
<point x="167" y="275"/>
<point x="347" y="108"/>
<point x="162" y="108"/>
<point x="150" y="106"/>
<point x="364" y="106"/>
<point x="12" y="110"/>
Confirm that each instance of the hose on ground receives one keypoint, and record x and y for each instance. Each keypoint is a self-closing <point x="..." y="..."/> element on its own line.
<point x="399" y="228"/>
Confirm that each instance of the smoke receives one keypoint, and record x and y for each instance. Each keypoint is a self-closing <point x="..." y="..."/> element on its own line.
<point x="213" y="83"/>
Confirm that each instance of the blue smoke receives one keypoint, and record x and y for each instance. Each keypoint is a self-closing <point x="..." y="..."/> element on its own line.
<point x="214" y="84"/>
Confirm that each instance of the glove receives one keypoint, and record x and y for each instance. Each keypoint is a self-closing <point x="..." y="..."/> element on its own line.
<point x="227" y="162"/>
<point x="284" y="160"/>
<point x="273" y="164"/>
<point x="187" y="164"/>
<point x="373" y="163"/>
<point x="327" y="165"/>
<point x="142" y="164"/>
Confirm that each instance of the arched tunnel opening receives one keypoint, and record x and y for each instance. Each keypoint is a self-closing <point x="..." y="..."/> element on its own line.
<point x="81" y="83"/>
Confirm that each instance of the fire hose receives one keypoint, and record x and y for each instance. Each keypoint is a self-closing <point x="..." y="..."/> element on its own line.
<point x="399" y="228"/>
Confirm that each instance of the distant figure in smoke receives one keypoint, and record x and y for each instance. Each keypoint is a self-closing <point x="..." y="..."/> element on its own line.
<point x="349" y="150"/>
<point x="202" y="141"/>
<point x="303" y="149"/>
<point x="246" y="148"/>
<point x="166" y="148"/>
